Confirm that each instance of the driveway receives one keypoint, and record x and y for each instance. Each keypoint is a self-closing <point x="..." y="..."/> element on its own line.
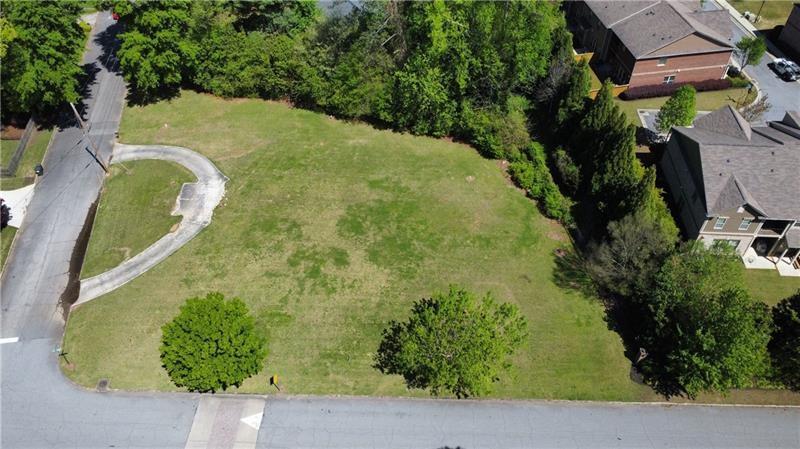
<point x="196" y="204"/>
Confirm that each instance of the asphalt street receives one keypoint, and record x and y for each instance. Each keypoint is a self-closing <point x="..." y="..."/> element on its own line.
<point x="41" y="409"/>
<point x="784" y="96"/>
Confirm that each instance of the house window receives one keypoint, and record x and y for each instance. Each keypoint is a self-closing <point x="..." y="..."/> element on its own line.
<point x="732" y="243"/>
<point x="745" y="224"/>
<point x="669" y="79"/>
<point x="720" y="223"/>
<point x="662" y="61"/>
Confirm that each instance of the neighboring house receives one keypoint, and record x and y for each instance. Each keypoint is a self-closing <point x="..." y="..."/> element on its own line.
<point x="791" y="31"/>
<point x="739" y="184"/>
<point x="642" y="43"/>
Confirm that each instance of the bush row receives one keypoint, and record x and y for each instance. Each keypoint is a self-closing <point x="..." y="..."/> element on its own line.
<point x="662" y="90"/>
<point x="534" y="176"/>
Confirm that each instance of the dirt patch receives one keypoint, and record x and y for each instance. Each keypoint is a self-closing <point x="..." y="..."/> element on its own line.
<point x="73" y="289"/>
<point x="126" y="252"/>
<point x="555" y="231"/>
<point x="11" y="132"/>
<point x="173" y="228"/>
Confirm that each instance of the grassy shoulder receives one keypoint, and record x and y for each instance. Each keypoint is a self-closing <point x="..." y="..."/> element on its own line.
<point x="769" y="286"/>
<point x="7" y="149"/>
<point x="34" y="154"/>
<point x="773" y="13"/>
<point x="706" y="101"/>
<point x="6" y="238"/>
<point x="134" y="212"/>
<point x="328" y="231"/>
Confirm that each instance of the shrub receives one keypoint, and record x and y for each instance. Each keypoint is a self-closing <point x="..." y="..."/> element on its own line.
<point x="663" y="90"/>
<point x="495" y="133"/>
<point x="211" y="344"/>
<point x="569" y="173"/>
<point x="534" y="176"/>
<point x="453" y="342"/>
<point x="739" y="81"/>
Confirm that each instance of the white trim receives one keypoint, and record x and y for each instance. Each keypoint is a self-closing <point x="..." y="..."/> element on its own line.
<point x="8" y="340"/>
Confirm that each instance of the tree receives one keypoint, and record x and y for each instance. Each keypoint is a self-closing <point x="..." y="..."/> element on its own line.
<point x="422" y="103"/>
<point x="679" y="110"/>
<point x="700" y="328"/>
<point x="453" y="342"/>
<point x="7" y="34"/>
<point x="754" y="111"/>
<point x="158" y="51"/>
<point x="274" y="16"/>
<point x="626" y="262"/>
<point x="576" y="92"/>
<point x="784" y="347"/>
<point x="41" y="64"/>
<point x="751" y="50"/>
<point x="211" y="344"/>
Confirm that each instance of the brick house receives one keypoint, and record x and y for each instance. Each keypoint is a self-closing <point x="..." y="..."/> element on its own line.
<point x="738" y="184"/>
<point x="642" y="43"/>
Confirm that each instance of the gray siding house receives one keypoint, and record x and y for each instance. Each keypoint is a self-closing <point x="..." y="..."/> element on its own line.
<point x="739" y="184"/>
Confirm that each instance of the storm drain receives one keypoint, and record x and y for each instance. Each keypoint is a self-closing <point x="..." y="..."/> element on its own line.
<point x="102" y="385"/>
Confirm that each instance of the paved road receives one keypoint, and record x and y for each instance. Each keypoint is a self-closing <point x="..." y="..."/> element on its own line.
<point x="196" y="204"/>
<point x="41" y="409"/>
<point x="784" y="96"/>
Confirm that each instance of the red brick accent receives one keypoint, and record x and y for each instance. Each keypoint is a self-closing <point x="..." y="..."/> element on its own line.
<point x="685" y="68"/>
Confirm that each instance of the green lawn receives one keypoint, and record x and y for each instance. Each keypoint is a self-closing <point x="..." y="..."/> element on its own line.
<point x="7" y="149"/>
<point x="6" y="237"/>
<point x="706" y="101"/>
<point x="328" y="231"/>
<point x="769" y="286"/>
<point x="126" y="224"/>
<point x="774" y="12"/>
<point x="34" y="154"/>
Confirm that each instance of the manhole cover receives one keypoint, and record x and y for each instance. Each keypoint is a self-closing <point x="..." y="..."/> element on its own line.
<point x="102" y="385"/>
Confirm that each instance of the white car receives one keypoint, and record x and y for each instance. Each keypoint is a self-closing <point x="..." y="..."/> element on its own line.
<point x="787" y="70"/>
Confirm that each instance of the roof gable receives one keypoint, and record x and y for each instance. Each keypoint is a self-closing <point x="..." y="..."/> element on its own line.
<point x="726" y="120"/>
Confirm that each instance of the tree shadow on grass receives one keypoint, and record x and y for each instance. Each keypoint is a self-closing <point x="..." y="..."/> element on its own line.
<point x="570" y="272"/>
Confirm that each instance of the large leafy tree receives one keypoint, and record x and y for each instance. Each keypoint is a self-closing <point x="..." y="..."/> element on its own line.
<point x="626" y="262"/>
<point x="211" y="344"/>
<point x="158" y="51"/>
<point x="679" y="110"/>
<point x="453" y="342"/>
<point x="701" y="330"/>
<point x="41" y="63"/>
<point x="274" y="16"/>
<point x="784" y="347"/>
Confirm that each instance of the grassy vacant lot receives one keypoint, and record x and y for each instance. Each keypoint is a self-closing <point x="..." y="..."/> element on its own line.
<point x="706" y="101"/>
<point x="769" y="286"/>
<point x="328" y="231"/>
<point x="34" y="154"/>
<point x="774" y="12"/>
<point x="134" y="212"/>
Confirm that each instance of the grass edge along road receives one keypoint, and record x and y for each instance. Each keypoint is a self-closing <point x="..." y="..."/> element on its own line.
<point x="328" y="231"/>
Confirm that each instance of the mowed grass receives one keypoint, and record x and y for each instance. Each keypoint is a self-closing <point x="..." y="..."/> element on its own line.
<point x="6" y="238"/>
<point x="134" y="212"/>
<point x="769" y="286"/>
<point x="706" y="101"/>
<point x="328" y="231"/>
<point x="34" y="154"/>
<point x="773" y="12"/>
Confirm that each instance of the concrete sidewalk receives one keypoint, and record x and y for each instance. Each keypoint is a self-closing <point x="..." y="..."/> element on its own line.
<point x="196" y="204"/>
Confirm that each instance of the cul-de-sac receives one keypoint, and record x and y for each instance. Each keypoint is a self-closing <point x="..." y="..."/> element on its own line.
<point x="241" y="224"/>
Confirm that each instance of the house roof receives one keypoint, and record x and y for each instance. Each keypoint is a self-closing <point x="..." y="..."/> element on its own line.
<point x="748" y="165"/>
<point x="646" y="26"/>
<point x="793" y="237"/>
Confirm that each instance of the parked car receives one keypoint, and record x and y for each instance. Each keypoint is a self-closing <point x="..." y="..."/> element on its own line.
<point x="785" y="69"/>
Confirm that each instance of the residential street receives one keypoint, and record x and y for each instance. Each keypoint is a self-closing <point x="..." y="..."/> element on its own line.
<point x="784" y="96"/>
<point x="42" y="409"/>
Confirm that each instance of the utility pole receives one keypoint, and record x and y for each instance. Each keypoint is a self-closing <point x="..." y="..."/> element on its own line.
<point x="758" y="14"/>
<point x="86" y="135"/>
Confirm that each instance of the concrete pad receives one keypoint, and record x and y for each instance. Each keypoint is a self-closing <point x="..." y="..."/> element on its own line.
<point x="754" y="261"/>
<point x="226" y="423"/>
<point x="787" y="269"/>
<point x="17" y="201"/>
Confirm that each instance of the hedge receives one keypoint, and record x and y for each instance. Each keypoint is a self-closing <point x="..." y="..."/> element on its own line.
<point x="663" y="90"/>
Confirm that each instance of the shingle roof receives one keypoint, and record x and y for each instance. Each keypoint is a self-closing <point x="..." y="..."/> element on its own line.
<point x="745" y="165"/>
<point x="646" y="26"/>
